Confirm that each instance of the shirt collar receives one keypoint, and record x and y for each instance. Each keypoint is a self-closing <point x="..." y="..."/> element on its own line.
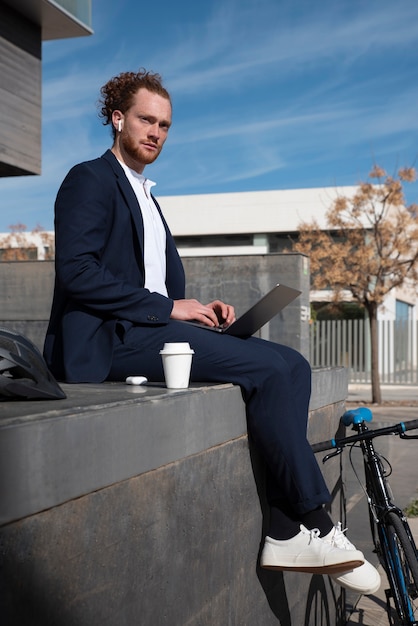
<point x="146" y="182"/>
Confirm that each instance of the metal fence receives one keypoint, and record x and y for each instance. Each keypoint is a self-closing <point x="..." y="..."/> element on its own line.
<point x="347" y="343"/>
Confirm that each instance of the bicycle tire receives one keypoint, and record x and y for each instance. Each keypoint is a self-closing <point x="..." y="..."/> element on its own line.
<point x="401" y="560"/>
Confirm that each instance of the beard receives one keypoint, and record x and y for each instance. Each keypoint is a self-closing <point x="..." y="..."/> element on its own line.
<point x="136" y="152"/>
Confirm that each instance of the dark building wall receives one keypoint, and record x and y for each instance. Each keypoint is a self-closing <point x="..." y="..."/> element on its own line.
<point x="20" y="94"/>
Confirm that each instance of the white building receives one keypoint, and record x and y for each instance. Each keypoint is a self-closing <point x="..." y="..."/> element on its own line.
<point x="246" y="222"/>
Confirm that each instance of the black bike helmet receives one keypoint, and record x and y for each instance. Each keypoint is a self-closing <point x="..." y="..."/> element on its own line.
<point x="23" y="371"/>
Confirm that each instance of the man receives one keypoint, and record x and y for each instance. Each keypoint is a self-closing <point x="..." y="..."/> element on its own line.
<point x="119" y="296"/>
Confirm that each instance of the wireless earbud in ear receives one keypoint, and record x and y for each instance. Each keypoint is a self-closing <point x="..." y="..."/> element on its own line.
<point x="120" y="125"/>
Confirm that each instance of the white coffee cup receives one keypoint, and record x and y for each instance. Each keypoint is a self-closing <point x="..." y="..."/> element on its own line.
<point x="177" y="363"/>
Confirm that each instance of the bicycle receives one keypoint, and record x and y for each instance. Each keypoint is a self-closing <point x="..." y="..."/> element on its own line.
<point x="391" y="534"/>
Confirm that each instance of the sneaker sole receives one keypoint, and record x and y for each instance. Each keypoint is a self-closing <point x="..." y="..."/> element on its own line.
<point x="322" y="569"/>
<point x="369" y="591"/>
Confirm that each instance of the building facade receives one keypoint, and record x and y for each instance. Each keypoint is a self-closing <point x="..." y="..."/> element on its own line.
<point x="24" y="24"/>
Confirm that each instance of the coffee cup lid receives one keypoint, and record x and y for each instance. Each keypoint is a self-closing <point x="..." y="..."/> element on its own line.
<point x="181" y="347"/>
<point x="179" y="351"/>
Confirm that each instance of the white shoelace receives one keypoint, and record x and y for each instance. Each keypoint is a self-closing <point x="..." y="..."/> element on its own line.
<point x="339" y="540"/>
<point x="313" y="533"/>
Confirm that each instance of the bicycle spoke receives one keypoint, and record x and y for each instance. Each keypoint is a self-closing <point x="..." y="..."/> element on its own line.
<point x="401" y="568"/>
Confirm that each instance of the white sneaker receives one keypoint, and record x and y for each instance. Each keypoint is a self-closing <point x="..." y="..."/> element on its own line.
<point x="364" y="579"/>
<point x="308" y="553"/>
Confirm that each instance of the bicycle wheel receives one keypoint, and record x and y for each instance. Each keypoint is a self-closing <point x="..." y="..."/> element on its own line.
<point x="401" y="560"/>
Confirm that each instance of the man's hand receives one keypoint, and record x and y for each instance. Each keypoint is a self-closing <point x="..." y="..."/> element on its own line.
<point x="225" y="313"/>
<point x="215" y="313"/>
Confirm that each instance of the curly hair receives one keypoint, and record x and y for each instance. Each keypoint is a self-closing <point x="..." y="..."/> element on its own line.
<point x="118" y="92"/>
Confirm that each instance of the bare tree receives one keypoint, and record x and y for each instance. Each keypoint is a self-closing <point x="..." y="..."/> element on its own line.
<point x="47" y="240"/>
<point x="19" y="245"/>
<point x="369" y="248"/>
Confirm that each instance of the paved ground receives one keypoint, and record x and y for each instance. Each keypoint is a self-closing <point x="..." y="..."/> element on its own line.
<point x="391" y="394"/>
<point x="400" y="403"/>
<point x="371" y="610"/>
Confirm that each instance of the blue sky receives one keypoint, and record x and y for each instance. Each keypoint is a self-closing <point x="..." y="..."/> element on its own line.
<point x="267" y="94"/>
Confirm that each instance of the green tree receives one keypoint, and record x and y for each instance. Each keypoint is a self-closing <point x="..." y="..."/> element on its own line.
<point x="369" y="247"/>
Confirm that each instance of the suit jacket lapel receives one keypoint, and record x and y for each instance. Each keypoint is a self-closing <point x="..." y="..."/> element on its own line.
<point x="128" y="193"/>
<point x="175" y="272"/>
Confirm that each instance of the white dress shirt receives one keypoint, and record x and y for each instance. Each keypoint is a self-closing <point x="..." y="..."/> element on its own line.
<point x="154" y="232"/>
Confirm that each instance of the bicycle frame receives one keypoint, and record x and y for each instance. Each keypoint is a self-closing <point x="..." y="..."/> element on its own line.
<point x="392" y="538"/>
<point x="380" y="501"/>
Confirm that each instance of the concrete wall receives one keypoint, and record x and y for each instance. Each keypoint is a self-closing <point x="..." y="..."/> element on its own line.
<point x="124" y="506"/>
<point x="242" y="280"/>
<point x="26" y="292"/>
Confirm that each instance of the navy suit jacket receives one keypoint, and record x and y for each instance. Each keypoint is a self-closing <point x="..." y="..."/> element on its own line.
<point x="99" y="271"/>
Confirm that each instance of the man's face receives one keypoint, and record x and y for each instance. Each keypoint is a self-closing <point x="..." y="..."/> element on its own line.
<point x="145" y="129"/>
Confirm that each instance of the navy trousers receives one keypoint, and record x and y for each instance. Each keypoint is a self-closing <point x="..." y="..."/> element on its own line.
<point x="276" y="384"/>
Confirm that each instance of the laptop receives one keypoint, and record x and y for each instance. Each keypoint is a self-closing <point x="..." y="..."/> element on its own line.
<point x="257" y="315"/>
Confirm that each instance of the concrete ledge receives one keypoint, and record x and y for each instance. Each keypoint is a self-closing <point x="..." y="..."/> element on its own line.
<point x="329" y="385"/>
<point x="103" y="434"/>
<point x="51" y="452"/>
<point x="124" y="506"/>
